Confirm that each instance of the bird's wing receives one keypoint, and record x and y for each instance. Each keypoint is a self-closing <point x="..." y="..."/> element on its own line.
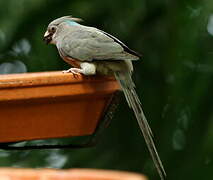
<point x="87" y="44"/>
<point x="125" y="47"/>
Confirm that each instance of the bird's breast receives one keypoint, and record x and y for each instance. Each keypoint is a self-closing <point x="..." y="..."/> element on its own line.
<point x="72" y="62"/>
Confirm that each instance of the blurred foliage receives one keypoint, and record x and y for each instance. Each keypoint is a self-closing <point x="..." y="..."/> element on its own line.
<point x="174" y="80"/>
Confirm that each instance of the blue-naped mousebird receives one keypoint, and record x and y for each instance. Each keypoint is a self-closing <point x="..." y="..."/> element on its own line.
<point x="92" y="51"/>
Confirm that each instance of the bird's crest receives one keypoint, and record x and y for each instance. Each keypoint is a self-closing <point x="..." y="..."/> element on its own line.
<point x="64" y="19"/>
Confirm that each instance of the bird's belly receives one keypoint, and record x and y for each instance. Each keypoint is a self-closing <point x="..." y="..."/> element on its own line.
<point x="72" y="62"/>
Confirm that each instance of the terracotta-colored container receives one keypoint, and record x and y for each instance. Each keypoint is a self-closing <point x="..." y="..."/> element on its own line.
<point x="72" y="174"/>
<point x="52" y="105"/>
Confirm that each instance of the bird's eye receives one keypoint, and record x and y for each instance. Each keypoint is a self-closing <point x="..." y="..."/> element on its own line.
<point x="53" y="29"/>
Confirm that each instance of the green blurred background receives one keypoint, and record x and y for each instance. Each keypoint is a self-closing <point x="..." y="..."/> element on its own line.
<point x="174" y="80"/>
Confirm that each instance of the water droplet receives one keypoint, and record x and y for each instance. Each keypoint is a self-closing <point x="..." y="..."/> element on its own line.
<point x="11" y="68"/>
<point x="202" y="68"/>
<point x="165" y="110"/>
<point x="6" y="68"/>
<point x="179" y="140"/>
<point x="20" y="67"/>
<point x="170" y="79"/>
<point x="56" y="160"/>
<point x="2" y="37"/>
<point x="4" y="154"/>
<point x="194" y="11"/>
<point x="207" y="161"/>
<point x="189" y="65"/>
<point x="210" y="25"/>
<point x="183" y="119"/>
<point x="19" y="144"/>
<point x="21" y="47"/>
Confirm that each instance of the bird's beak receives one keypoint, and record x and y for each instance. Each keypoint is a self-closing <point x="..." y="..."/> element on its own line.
<point x="47" y="37"/>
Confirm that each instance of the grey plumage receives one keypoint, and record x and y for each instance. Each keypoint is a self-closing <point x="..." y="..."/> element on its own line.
<point x="128" y="87"/>
<point x="88" y="44"/>
<point x="99" y="52"/>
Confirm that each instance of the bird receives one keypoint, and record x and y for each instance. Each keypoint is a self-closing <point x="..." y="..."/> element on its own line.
<point x="91" y="51"/>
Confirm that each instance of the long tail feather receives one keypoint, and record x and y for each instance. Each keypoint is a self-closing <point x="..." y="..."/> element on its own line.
<point x="132" y="98"/>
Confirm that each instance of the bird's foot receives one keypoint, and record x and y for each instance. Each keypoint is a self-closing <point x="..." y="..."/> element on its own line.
<point x="75" y="71"/>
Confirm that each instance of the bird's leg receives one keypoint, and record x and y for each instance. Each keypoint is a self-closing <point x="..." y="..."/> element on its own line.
<point x="85" y="68"/>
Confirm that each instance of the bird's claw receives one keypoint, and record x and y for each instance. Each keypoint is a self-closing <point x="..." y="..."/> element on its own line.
<point x="75" y="71"/>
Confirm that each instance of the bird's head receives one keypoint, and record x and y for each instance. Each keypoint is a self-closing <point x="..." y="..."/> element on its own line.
<point x="54" y="26"/>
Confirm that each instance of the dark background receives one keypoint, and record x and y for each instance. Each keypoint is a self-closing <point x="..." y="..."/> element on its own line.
<point x="174" y="80"/>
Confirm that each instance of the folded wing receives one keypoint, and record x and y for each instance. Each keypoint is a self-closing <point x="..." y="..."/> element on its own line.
<point x="88" y="44"/>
